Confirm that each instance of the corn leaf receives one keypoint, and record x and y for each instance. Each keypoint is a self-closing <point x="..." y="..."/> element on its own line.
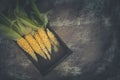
<point x="4" y="19"/>
<point x="41" y="16"/>
<point x="23" y="29"/>
<point x="34" y="21"/>
<point x="18" y="11"/>
<point x="9" y="33"/>
<point x="28" y="23"/>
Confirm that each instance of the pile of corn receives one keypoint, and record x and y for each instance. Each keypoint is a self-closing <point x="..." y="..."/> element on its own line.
<point x="29" y="33"/>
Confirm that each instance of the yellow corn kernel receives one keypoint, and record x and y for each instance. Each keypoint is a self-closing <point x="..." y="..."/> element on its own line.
<point x="39" y="40"/>
<point x="45" y="39"/>
<point x="35" y="46"/>
<point x="26" y="47"/>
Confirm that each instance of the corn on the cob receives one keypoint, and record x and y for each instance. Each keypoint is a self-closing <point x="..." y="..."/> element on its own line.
<point x="53" y="39"/>
<point x="35" y="46"/>
<point x="39" y="40"/>
<point x="45" y="39"/>
<point x="26" y="47"/>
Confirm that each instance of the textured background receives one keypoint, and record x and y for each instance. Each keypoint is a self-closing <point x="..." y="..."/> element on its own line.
<point x="90" y="28"/>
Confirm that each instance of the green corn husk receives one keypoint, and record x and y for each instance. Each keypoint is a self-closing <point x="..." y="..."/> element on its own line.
<point x="10" y="23"/>
<point x="8" y="33"/>
<point x="28" y="23"/>
<point x="34" y="21"/>
<point x="23" y="23"/>
<point x="23" y="29"/>
<point x="6" y="20"/>
<point x="20" y="24"/>
<point x="42" y="17"/>
<point x="16" y="24"/>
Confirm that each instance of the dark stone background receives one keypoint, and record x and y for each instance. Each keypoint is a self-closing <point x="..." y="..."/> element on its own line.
<point x="90" y="28"/>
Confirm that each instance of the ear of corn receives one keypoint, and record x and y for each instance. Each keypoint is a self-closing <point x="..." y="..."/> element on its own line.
<point x="53" y="40"/>
<point x="26" y="47"/>
<point x="39" y="40"/>
<point x="52" y="37"/>
<point x="45" y="39"/>
<point x="35" y="46"/>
